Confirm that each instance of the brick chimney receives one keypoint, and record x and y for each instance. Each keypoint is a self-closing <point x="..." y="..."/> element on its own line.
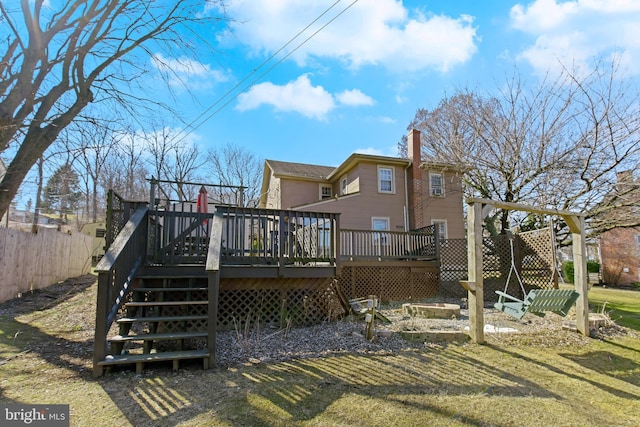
<point x="416" y="213"/>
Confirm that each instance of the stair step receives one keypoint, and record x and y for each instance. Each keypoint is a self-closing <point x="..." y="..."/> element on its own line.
<point x="163" y="303"/>
<point x="158" y="337"/>
<point x="140" y="359"/>
<point x="178" y="289"/>
<point x="160" y="319"/>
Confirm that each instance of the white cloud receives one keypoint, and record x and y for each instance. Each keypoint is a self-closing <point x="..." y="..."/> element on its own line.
<point x="372" y="32"/>
<point x="354" y="97"/>
<point x="296" y="96"/>
<point x="300" y="96"/>
<point x="188" y="73"/>
<point x="573" y="33"/>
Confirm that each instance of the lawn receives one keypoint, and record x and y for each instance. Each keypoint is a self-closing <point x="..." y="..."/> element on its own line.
<point x="45" y="357"/>
<point x="622" y="305"/>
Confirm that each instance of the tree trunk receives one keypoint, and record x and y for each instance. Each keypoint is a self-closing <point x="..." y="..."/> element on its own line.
<point x="36" y="212"/>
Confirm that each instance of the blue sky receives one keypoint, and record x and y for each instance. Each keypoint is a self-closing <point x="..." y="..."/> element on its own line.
<point x="355" y="85"/>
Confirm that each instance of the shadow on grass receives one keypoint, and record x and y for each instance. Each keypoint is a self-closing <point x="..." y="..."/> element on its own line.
<point x="610" y="364"/>
<point x="555" y="369"/>
<point x="47" y="298"/>
<point x="304" y="389"/>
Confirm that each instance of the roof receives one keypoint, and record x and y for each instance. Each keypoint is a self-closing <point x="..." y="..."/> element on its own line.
<point x="300" y="170"/>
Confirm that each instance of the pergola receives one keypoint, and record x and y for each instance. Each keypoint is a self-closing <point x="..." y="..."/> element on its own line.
<point x="477" y="210"/>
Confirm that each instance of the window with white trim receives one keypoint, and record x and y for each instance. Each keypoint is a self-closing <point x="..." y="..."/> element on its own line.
<point x="385" y="180"/>
<point x="343" y="185"/>
<point x="436" y="184"/>
<point x="441" y="227"/>
<point x="325" y="192"/>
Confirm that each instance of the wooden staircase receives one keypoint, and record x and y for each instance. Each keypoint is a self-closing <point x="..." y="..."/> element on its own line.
<point x="164" y="319"/>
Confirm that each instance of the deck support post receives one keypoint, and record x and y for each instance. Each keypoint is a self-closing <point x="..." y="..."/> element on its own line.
<point x="212" y="322"/>
<point x="102" y="312"/>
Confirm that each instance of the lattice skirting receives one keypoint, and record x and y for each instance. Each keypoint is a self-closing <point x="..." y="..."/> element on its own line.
<point x="277" y="302"/>
<point x="390" y="281"/>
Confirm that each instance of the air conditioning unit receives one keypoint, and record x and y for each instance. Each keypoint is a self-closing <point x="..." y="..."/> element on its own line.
<point x="436" y="191"/>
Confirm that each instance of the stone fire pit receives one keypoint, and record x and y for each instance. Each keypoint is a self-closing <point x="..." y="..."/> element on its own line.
<point x="431" y="310"/>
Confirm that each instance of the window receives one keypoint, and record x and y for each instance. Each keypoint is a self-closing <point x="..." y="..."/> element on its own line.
<point x="385" y="180"/>
<point x="380" y="224"/>
<point x="343" y="185"/>
<point x="436" y="185"/>
<point x="325" y="192"/>
<point x="441" y="227"/>
<point x="100" y="232"/>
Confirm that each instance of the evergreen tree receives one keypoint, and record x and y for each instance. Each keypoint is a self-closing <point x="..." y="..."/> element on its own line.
<point x="62" y="193"/>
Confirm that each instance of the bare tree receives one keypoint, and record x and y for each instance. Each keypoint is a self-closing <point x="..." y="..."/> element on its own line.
<point x="234" y="166"/>
<point x="183" y="167"/>
<point x="56" y="62"/>
<point x="94" y="141"/>
<point x="557" y="145"/>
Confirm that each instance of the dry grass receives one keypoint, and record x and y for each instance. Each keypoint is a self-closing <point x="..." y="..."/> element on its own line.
<point x="45" y="357"/>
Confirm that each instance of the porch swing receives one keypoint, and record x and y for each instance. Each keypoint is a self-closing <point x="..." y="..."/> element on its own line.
<point x="537" y="301"/>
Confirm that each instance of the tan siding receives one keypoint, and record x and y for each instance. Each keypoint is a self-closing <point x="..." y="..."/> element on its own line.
<point x="273" y="196"/>
<point x="356" y="211"/>
<point x="449" y="208"/>
<point x="297" y="193"/>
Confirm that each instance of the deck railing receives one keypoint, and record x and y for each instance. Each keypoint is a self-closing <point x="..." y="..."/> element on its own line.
<point x="181" y="235"/>
<point x="389" y="245"/>
<point x="281" y="237"/>
<point x="116" y="271"/>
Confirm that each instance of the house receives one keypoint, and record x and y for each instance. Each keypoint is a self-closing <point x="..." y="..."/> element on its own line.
<point x="620" y="254"/>
<point x="372" y="192"/>
<point x="620" y="247"/>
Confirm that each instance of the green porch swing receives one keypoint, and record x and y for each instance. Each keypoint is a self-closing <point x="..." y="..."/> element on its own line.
<point x="537" y="301"/>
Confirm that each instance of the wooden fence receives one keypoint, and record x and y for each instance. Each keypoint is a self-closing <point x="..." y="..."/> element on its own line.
<point x="33" y="261"/>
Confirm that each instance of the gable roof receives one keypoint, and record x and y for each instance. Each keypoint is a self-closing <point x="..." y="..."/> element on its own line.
<point x="299" y="170"/>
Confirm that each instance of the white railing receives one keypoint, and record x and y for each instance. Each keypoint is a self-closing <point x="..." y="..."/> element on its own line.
<point x="393" y="245"/>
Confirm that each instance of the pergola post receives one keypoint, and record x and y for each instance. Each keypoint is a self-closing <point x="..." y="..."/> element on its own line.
<point x="474" y="270"/>
<point x="580" y="274"/>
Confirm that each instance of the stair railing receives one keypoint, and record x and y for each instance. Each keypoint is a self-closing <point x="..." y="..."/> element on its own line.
<point x="116" y="272"/>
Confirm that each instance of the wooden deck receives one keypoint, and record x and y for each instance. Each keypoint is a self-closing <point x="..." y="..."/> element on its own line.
<point x="169" y="269"/>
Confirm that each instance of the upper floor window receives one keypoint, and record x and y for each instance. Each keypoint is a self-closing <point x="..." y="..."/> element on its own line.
<point x="436" y="184"/>
<point x="385" y="180"/>
<point x="325" y="192"/>
<point x="343" y="185"/>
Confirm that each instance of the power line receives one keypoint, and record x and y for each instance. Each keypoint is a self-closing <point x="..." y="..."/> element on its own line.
<point x="192" y="126"/>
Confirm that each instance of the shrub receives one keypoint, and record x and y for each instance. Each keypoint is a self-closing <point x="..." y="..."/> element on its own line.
<point x="567" y="269"/>
<point x="593" y="267"/>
